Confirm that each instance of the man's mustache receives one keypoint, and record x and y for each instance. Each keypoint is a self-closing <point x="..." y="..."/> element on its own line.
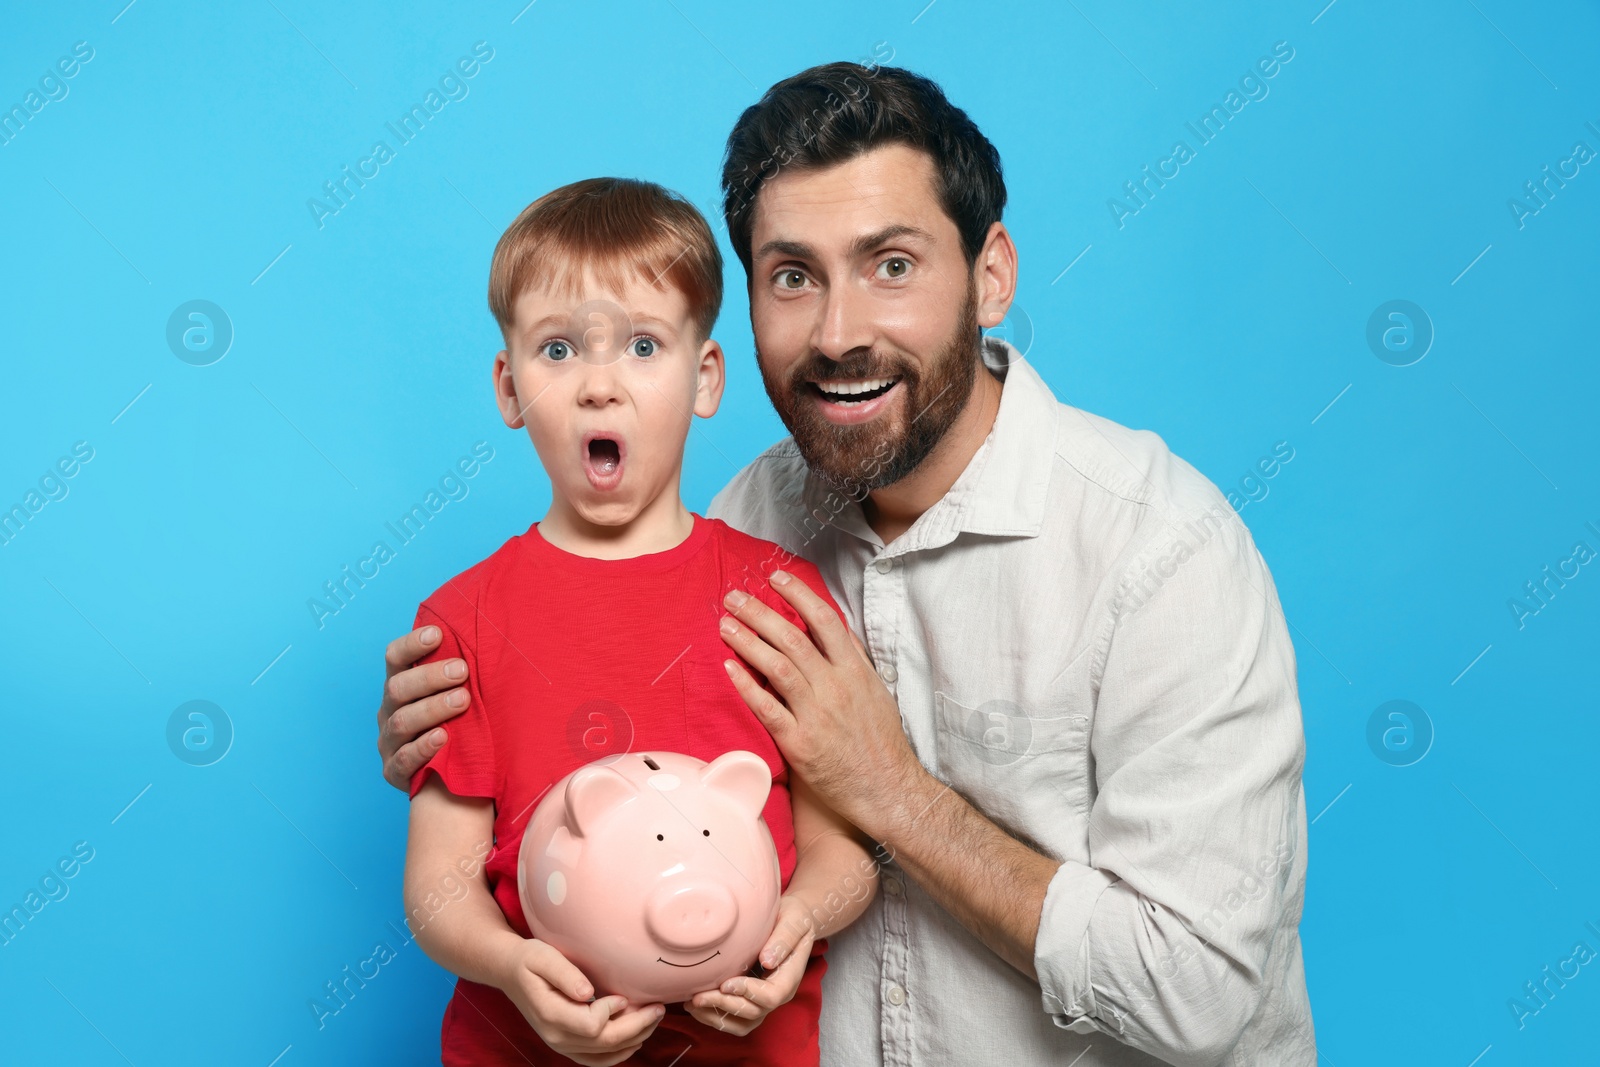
<point x="855" y="364"/>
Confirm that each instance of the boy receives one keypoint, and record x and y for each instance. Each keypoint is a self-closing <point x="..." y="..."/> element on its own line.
<point x="595" y="633"/>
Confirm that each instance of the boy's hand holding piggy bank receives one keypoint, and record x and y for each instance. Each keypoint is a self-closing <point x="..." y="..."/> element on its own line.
<point x="654" y="874"/>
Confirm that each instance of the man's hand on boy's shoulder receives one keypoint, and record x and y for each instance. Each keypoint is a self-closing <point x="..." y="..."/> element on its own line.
<point x="416" y="699"/>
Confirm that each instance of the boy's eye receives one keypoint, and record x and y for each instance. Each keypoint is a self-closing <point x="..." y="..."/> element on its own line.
<point x="792" y="279"/>
<point x="643" y="347"/>
<point x="894" y="267"/>
<point x="556" y="351"/>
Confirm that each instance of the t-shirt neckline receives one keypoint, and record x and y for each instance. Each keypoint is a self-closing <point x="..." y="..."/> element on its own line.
<point x="648" y="563"/>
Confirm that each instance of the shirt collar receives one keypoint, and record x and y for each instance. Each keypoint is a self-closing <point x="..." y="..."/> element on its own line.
<point x="1003" y="489"/>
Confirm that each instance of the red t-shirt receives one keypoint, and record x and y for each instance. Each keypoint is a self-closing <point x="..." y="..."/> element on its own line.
<point x="570" y="659"/>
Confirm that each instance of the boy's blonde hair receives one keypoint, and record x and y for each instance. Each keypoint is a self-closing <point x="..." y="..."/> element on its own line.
<point x="617" y="228"/>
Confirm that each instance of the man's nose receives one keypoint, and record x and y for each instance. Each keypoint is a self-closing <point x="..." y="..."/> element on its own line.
<point x="844" y="323"/>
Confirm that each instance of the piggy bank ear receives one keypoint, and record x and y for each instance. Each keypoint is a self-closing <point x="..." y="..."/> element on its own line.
<point x="742" y="775"/>
<point x="592" y="792"/>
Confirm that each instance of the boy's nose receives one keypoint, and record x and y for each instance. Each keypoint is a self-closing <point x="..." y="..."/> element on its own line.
<point x="601" y="384"/>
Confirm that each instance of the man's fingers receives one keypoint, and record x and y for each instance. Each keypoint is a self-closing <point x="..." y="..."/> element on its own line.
<point x="777" y="631"/>
<point x="828" y="631"/>
<point x="861" y="649"/>
<point x="404" y="651"/>
<point x="773" y="715"/>
<point x="414" y="683"/>
<point x="409" y="721"/>
<point x="399" y="767"/>
<point x="777" y="668"/>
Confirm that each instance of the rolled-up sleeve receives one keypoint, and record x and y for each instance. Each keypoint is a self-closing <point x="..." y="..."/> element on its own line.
<point x="1197" y="825"/>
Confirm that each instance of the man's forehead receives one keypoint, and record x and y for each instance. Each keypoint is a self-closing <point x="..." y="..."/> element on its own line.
<point x="892" y="187"/>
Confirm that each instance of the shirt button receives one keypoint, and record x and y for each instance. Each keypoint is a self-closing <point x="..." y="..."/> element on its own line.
<point x="892" y="886"/>
<point x="885" y="564"/>
<point x="888" y="673"/>
<point x="897" y="995"/>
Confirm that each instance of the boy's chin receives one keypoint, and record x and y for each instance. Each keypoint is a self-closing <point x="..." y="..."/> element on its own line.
<point x="616" y="509"/>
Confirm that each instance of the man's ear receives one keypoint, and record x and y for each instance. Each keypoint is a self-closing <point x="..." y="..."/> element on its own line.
<point x="505" y="391"/>
<point x="995" y="275"/>
<point x="711" y="377"/>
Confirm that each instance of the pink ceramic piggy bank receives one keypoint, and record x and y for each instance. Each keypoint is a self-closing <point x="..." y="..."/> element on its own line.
<point x="653" y="872"/>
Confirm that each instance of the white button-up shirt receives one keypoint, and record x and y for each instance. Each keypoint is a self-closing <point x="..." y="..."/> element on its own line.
<point x="1085" y="643"/>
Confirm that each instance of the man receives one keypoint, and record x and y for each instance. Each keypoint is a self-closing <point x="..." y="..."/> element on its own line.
<point x="1071" y="718"/>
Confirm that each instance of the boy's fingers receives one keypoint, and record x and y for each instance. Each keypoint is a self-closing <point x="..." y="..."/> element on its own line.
<point x="721" y="1020"/>
<point x="777" y="989"/>
<point x="715" y="1001"/>
<point x="762" y="994"/>
<point x="402" y="652"/>
<point x="565" y="978"/>
<point x="631" y="1027"/>
<point x="775" y="953"/>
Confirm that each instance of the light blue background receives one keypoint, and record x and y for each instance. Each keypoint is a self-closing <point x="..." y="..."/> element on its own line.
<point x="1225" y="315"/>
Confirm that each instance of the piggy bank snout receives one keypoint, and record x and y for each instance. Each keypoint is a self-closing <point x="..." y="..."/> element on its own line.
<point x="691" y="916"/>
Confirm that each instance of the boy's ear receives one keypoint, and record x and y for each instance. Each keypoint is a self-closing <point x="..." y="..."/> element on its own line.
<point x="505" y="391"/>
<point x="711" y="379"/>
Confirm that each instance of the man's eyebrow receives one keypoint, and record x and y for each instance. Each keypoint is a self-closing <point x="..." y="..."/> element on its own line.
<point x="796" y="249"/>
<point x="860" y="246"/>
<point x="866" y="243"/>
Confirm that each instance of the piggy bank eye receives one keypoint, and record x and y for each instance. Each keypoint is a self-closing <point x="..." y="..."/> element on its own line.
<point x="660" y="838"/>
<point x="705" y="833"/>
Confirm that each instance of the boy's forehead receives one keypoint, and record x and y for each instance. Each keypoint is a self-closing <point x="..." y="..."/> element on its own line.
<point x="580" y="297"/>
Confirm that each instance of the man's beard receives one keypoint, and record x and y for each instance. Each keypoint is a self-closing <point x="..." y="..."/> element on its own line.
<point x="862" y="457"/>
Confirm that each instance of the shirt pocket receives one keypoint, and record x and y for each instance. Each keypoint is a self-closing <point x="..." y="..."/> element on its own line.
<point x="1025" y="768"/>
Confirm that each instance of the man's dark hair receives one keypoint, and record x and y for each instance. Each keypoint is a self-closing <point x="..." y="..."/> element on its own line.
<point x="835" y="112"/>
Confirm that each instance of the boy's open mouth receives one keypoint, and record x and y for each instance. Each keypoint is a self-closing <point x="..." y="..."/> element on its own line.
<point x="602" y="460"/>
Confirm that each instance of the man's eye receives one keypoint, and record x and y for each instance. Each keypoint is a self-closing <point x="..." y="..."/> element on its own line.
<point x="894" y="267"/>
<point x="556" y="351"/>
<point x="643" y="347"/>
<point x="792" y="279"/>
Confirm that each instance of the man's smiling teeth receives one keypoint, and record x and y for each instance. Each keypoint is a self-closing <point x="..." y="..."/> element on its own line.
<point x="835" y="390"/>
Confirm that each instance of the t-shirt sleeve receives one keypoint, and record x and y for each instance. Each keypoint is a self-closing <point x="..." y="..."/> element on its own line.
<point x="466" y="763"/>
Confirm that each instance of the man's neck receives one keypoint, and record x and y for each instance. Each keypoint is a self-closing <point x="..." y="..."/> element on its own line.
<point x="892" y="510"/>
